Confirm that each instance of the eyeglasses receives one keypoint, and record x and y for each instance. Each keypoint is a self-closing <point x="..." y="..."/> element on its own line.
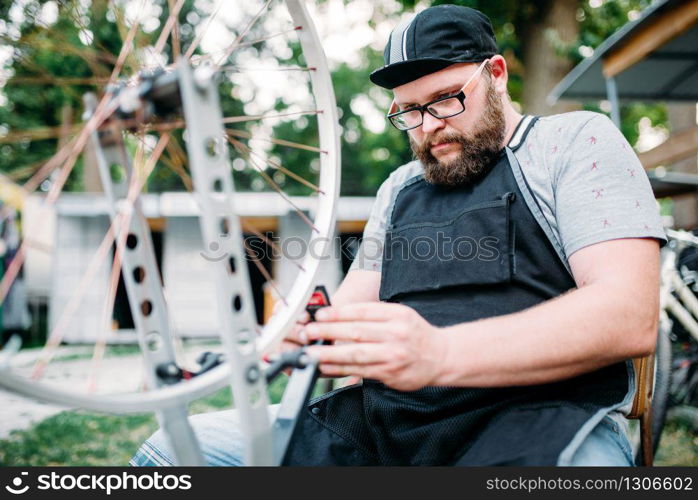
<point x="441" y="108"/>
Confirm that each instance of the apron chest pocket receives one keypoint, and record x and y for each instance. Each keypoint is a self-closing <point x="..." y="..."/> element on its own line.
<point x="475" y="247"/>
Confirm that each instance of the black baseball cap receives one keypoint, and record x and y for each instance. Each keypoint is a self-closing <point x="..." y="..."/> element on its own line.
<point x="432" y="40"/>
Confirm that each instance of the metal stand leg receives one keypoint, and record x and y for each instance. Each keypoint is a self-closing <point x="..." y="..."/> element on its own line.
<point x="142" y="281"/>
<point x="213" y="184"/>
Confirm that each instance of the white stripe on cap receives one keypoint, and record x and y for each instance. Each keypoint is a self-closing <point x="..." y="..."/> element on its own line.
<point x="404" y="42"/>
<point x="398" y="40"/>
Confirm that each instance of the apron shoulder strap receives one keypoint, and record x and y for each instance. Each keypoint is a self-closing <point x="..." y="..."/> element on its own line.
<point x="521" y="131"/>
<point x="529" y="195"/>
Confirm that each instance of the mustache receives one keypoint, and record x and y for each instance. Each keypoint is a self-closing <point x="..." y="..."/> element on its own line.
<point x="478" y="149"/>
<point x="425" y="146"/>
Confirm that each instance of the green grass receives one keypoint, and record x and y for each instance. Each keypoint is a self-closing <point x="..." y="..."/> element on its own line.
<point x="678" y="445"/>
<point x="83" y="438"/>
<point x="111" y="351"/>
<point x="116" y="350"/>
<point x="77" y="438"/>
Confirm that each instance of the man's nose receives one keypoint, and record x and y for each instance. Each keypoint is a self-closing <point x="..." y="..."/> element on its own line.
<point x="430" y="123"/>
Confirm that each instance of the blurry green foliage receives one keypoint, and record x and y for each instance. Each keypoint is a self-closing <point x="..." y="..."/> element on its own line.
<point x="368" y="155"/>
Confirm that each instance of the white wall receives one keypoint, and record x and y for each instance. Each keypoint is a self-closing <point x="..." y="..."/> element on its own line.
<point x="39" y="222"/>
<point x="76" y="242"/>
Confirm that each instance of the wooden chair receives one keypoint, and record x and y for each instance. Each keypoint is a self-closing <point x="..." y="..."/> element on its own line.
<point x="642" y="405"/>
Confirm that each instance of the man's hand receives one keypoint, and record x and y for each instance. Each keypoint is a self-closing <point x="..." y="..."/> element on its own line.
<point x="358" y="286"/>
<point x="387" y="342"/>
<point x="292" y="341"/>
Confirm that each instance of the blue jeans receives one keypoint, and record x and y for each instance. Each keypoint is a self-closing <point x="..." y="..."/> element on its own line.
<point x="221" y="443"/>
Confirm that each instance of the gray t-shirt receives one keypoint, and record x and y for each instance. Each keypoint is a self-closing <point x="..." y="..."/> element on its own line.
<point x="587" y="179"/>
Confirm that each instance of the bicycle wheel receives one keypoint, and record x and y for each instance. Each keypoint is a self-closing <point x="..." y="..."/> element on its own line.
<point x="162" y="108"/>
<point x="683" y="390"/>
<point x="662" y="384"/>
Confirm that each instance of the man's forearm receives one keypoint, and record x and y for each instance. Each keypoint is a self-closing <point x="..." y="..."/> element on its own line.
<point x="583" y="330"/>
<point x="358" y="286"/>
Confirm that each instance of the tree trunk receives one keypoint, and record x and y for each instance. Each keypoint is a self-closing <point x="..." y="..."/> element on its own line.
<point x="554" y="20"/>
<point x="682" y="117"/>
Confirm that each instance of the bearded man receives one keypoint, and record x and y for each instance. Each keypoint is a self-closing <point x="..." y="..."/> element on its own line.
<point x="506" y="278"/>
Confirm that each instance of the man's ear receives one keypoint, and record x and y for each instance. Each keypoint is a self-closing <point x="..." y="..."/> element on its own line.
<point x="498" y="73"/>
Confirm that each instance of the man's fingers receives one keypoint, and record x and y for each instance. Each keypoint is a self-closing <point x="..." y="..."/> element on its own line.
<point x="361" y="371"/>
<point x="289" y="346"/>
<point x="362" y="311"/>
<point x="349" y="354"/>
<point x="350" y="331"/>
<point x="296" y="334"/>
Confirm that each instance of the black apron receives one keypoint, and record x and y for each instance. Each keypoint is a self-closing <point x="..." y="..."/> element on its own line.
<point x="456" y="255"/>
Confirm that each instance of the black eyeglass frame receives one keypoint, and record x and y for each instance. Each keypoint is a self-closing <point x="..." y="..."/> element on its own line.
<point x="460" y="95"/>
<point x="425" y="107"/>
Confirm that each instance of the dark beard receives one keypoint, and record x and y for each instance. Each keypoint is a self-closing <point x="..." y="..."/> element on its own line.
<point x="478" y="151"/>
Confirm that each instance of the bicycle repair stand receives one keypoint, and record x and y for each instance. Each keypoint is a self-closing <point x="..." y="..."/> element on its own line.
<point x="195" y="93"/>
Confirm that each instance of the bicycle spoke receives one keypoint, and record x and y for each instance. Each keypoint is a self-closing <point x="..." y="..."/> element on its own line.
<point x="263" y="237"/>
<point x="22" y="172"/>
<point x="46" y="133"/>
<point x="242" y="34"/>
<point x="265" y="273"/>
<point x="59" y="81"/>
<point x="244" y="150"/>
<point x="259" y="27"/>
<point x="195" y="44"/>
<point x="286" y="171"/>
<point x="124" y="33"/>
<point x="188" y="183"/>
<point x="236" y="69"/>
<point x="276" y="165"/>
<point x="126" y="49"/>
<point x="186" y="179"/>
<point x="52" y="164"/>
<point x="176" y="43"/>
<point x="248" y="118"/>
<point x="280" y="142"/>
<point x="205" y="57"/>
<point x="74" y="15"/>
<point x="176" y="160"/>
<point x="177" y="166"/>
<point x="99" y="116"/>
<point x="120" y="225"/>
<point x="108" y="309"/>
<point x="56" y="335"/>
<point x="36" y="134"/>
<point x="269" y="37"/>
<point x="37" y="245"/>
<point x="179" y="151"/>
<point x="94" y="60"/>
<point x="72" y="154"/>
<point x="21" y="58"/>
<point x="169" y="25"/>
<point x="247" y="135"/>
<point x="79" y="144"/>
